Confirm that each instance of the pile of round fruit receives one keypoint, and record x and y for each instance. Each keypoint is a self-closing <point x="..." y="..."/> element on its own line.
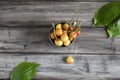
<point x="63" y="34"/>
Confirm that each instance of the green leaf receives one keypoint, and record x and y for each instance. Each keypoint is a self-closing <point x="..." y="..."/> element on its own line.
<point x="113" y="29"/>
<point x="24" y="71"/>
<point x="107" y="14"/>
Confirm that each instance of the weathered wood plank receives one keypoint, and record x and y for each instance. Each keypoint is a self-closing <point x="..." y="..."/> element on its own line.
<point x="57" y="0"/>
<point x="91" y="40"/>
<point x="37" y="34"/>
<point x="4" y="35"/>
<point x="116" y="44"/>
<point x="11" y="47"/>
<point x="54" y="66"/>
<point x="82" y="78"/>
<point x="85" y="65"/>
<point x="44" y="13"/>
<point x="84" y="46"/>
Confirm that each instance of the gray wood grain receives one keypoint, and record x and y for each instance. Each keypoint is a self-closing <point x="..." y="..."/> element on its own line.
<point x="42" y="14"/>
<point x="24" y="36"/>
<point x="57" y="0"/>
<point x="91" y="40"/>
<point x="55" y="67"/>
<point x="83" y="78"/>
<point x="117" y="44"/>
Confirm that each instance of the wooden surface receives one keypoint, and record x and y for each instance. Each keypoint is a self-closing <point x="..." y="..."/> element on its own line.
<point x="24" y="36"/>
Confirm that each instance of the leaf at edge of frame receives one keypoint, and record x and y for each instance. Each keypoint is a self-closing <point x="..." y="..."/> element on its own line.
<point x="107" y="14"/>
<point x="24" y="71"/>
<point x="113" y="29"/>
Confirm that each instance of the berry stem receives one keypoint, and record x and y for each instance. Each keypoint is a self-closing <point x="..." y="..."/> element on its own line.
<point x="53" y="26"/>
<point x="73" y="18"/>
<point x="78" y="23"/>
